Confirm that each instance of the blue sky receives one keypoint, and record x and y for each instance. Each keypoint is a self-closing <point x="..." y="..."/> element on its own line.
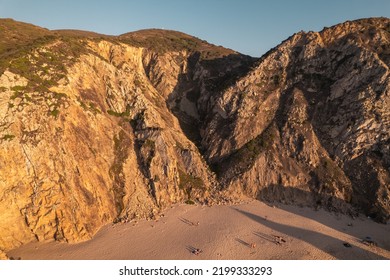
<point x="250" y="27"/>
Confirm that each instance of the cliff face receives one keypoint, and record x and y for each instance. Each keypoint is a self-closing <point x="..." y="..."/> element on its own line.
<point x="87" y="138"/>
<point x="316" y="112"/>
<point x="96" y="129"/>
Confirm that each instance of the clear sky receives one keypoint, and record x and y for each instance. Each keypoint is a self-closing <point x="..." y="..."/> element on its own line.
<point x="250" y="27"/>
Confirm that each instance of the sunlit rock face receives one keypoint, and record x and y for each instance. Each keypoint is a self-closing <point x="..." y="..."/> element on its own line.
<point x="97" y="129"/>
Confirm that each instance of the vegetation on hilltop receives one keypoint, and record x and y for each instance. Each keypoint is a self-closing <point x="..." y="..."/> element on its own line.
<point x="19" y="39"/>
<point x="162" y="41"/>
<point x="15" y="34"/>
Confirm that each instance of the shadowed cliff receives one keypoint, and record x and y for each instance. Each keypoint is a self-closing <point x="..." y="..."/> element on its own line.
<point x="97" y="129"/>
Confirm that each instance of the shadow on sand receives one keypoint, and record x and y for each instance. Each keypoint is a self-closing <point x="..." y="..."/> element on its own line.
<point x="193" y="250"/>
<point x="246" y="244"/>
<point x="274" y="194"/>
<point x="188" y="222"/>
<point x="319" y="240"/>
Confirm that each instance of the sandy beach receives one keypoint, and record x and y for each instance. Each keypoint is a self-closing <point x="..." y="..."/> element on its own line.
<point x="251" y="230"/>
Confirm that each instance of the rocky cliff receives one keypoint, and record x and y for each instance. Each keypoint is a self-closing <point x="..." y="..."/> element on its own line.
<point x="97" y="129"/>
<point x="310" y="123"/>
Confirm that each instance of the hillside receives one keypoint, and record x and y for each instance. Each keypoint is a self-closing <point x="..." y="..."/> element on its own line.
<point x="97" y="129"/>
<point x="316" y="113"/>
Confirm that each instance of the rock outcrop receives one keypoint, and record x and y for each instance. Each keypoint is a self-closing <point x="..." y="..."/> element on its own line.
<point x="97" y="129"/>
<point x="3" y="256"/>
<point x="316" y="112"/>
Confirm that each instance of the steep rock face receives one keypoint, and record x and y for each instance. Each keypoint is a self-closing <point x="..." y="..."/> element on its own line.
<point x="87" y="139"/>
<point x="3" y="256"/>
<point x="316" y="113"/>
<point x="97" y="129"/>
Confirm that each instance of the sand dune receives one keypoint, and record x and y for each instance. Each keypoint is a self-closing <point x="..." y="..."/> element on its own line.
<point x="251" y="230"/>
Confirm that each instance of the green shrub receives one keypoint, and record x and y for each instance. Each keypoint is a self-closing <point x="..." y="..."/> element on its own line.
<point x="17" y="94"/>
<point x="188" y="182"/>
<point x="8" y="137"/>
<point x="18" y="88"/>
<point x="55" y="113"/>
<point x="94" y="109"/>
<point x="137" y="82"/>
<point x="121" y="114"/>
<point x="189" y="202"/>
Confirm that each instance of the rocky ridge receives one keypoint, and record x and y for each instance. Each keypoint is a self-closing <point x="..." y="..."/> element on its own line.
<point x="316" y="112"/>
<point x="97" y="129"/>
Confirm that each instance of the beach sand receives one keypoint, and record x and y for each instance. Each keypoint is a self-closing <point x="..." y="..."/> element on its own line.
<point x="251" y="230"/>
